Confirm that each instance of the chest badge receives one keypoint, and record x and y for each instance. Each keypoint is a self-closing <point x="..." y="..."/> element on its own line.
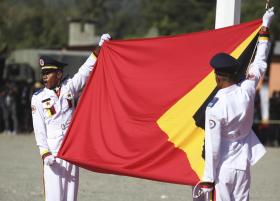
<point x="69" y="98"/>
<point x="48" y="105"/>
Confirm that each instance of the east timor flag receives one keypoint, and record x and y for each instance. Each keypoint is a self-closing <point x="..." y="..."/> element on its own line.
<point x="142" y="111"/>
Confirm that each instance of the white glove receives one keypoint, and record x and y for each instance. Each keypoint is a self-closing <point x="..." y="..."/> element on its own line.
<point x="103" y="38"/>
<point x="267" y="17"/>
<point x="49" y="160"/>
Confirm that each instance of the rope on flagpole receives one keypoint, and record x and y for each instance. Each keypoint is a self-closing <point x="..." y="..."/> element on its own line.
<point x="251" y="58"/>
<point x="267" y="6"/>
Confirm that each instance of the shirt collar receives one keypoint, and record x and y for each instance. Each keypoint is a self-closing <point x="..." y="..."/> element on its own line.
<point x="227" y="89"/>
<point x="50" y="92"/>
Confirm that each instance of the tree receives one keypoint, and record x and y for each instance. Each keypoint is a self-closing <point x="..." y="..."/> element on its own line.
<point x="181" y="16"/>
<point x="30" y="23"/>
<point x="44" y="24"/>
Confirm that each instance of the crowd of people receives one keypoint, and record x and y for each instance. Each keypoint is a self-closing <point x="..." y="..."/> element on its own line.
<point x="274" y="116"/>
<point x="268" y="131"/>
<point x="274" y="105"/>
<point x="15" y="113"/>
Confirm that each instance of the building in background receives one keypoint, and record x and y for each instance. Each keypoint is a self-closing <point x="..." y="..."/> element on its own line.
<point x="274" y="73"/>
<point x="82" y="33"/>
<point x="21" y="68"/>
<point x="82" y="40"/>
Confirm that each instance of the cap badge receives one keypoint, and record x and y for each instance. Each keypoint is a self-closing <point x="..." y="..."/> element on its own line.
<point x="41" y="62"/>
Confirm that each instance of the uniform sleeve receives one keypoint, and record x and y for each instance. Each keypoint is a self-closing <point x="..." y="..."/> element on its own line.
<point x="39" y="126"/>
<point x="258" y="67"/>
<point x="80" y="78"/>
<point x="212" y="146"/>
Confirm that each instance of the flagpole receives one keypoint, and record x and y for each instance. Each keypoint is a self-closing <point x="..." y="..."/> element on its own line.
<point x="227" y="13"/>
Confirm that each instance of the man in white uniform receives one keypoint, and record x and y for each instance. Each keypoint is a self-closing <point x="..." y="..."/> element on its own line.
<point x="231" y="145"/>
<point x="52" y="109"/>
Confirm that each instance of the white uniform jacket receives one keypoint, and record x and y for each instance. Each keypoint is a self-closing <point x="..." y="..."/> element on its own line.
<point x="52" y="115"/>
<point x="229" y="139"/>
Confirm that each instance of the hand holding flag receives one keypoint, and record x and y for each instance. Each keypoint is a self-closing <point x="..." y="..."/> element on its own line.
<point x="140" y="112"/>
<point x="267" y="17"/>
<point x="104" y="38"/>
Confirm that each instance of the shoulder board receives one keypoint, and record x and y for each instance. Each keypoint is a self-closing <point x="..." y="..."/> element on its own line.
<point x="45" y="100"/>
<point x="213" y="102"/>
<point x="38" y="91"/>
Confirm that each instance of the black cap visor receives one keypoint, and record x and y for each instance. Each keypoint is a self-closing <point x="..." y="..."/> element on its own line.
<point x="48" y="71"/>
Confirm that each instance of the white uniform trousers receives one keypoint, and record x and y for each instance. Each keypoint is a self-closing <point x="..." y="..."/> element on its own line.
<point x="233" y="184"/>
<point x="61" y="181"/>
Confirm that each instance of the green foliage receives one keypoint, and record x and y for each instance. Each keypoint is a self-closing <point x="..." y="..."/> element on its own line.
<point x="180" y="16"/>
<point x="44" y="23"/>
<point x="30" y="23"/>
<point x="252" y="9"/>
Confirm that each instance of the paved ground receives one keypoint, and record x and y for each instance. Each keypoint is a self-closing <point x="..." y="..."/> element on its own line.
<point x="21" y="178"/>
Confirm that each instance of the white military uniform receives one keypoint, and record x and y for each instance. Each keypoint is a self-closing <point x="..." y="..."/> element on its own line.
<point x="51" y="118"/>
<point x="231" y="145"/>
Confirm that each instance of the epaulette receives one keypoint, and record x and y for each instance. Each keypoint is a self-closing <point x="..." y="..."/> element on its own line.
<point x="213" y="102"/>
<point x="38" y="91"/>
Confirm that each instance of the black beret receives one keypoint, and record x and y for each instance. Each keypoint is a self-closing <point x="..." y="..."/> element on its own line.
<point x="50" y="64"/>
<point x="224" y="64"/>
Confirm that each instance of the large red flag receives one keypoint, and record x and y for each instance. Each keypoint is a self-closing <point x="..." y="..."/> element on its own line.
<point x="141" y="113"/>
